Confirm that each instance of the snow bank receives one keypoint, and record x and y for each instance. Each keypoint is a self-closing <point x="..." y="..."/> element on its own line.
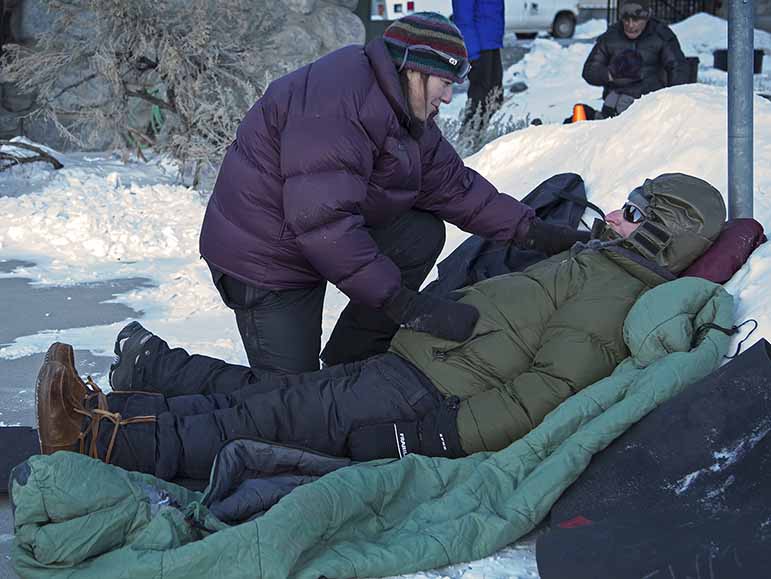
<point x="591" y="28"/>
<point x="702" y="33"/>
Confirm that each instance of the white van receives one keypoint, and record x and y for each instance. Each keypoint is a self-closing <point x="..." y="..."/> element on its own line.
<point x="555" y="16"/>
<point x="395" y="9"/>
<point x="522" y="16"/>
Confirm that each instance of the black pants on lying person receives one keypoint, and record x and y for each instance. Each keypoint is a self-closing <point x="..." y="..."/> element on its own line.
<point x="195" y="403"/>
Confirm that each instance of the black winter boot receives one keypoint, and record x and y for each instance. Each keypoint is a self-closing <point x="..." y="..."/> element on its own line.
<point x="128" y="347"/>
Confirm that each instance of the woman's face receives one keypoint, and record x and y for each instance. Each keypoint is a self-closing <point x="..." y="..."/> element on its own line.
<point x="426" y="97"/>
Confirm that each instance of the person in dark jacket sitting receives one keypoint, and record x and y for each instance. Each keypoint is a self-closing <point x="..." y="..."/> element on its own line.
<point x="339" y="174"/>
<point x="542" y="335"/>
<point x="635" y="56"/>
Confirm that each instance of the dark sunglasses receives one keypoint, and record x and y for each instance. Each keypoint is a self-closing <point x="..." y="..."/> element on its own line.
<point x="461" y="66"/>
<point x="632" y="213"/>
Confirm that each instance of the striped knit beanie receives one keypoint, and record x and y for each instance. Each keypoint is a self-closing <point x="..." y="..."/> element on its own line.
<point x="431" y="29"/>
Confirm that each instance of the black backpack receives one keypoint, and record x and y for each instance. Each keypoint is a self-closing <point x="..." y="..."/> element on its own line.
<point x="560" y="199"/>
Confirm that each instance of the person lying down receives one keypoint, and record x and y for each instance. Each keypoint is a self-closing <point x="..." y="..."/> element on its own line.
<point x="542" y="335"/>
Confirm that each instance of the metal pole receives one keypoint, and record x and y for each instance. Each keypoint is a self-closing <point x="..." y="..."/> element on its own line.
<point x="741" y="17"/>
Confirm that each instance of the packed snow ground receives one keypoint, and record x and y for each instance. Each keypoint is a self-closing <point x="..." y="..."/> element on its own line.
<point x="100" y="218"/>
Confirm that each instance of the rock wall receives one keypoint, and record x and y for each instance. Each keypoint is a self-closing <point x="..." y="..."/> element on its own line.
<point x="300" y="32"/>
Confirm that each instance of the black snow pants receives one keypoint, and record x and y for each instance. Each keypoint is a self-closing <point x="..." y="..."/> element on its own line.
<point x="201" y="402"/>
<point x="281" y="328"/>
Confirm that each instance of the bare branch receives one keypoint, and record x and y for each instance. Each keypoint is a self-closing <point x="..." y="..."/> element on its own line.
<point x="19" y="160"/>
<point x="73" y="85"/>
<point x="144" y="95"/>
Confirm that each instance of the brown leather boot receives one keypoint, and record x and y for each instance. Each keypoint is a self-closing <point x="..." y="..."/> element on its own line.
<point x="59" y="397"/>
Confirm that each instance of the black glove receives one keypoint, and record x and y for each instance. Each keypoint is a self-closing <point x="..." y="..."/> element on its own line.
<point x="439" y="317"/>
<point x="436" y="434"/>
<point x="552" y="239"/>
<point x="626" y="64"/>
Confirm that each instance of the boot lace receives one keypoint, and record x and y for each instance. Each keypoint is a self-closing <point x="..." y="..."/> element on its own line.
<point x="102" y="412"/>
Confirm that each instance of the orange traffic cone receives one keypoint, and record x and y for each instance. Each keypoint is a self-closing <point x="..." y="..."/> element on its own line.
<point x="579" y="113"/>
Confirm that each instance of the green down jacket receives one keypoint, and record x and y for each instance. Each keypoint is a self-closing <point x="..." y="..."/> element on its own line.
<point x="543" y="335"/>
<point x="78" y="517"/>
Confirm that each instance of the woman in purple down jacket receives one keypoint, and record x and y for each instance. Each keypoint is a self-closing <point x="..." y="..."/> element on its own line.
<point x="338" y="173"/>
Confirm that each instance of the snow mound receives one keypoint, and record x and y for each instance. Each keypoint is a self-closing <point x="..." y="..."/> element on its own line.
<point x="703" y="33"/>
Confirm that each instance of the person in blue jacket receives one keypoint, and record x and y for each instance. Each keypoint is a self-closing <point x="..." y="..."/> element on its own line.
<point x="482" y="23"/>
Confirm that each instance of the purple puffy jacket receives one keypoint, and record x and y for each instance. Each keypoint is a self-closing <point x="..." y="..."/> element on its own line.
<point x="321" y="157"/>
